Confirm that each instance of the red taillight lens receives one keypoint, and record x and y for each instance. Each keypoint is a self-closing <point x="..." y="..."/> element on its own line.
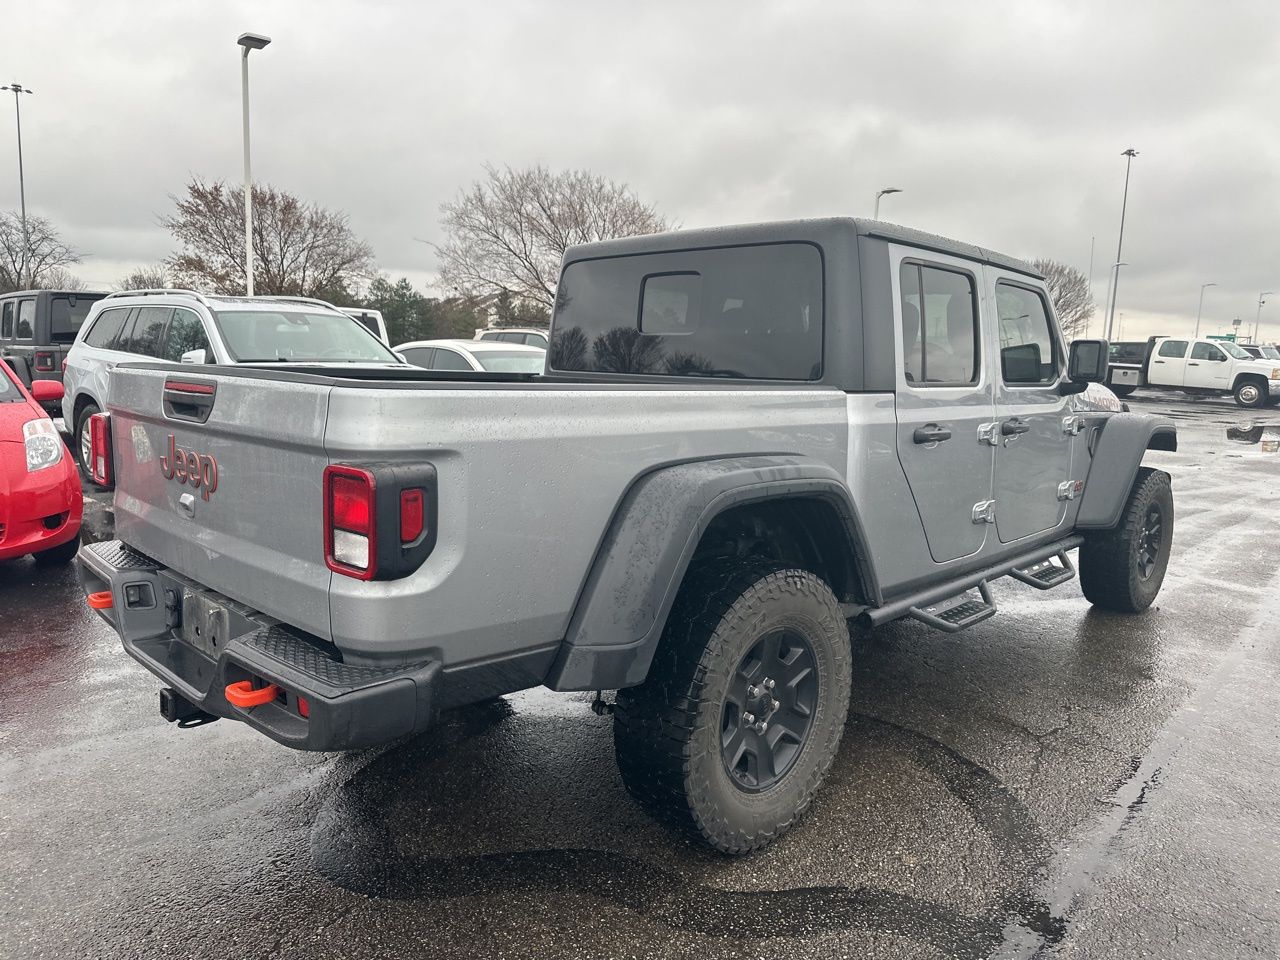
<point x="349" y="522"/>
<point x="100" y="449"/>
<point x="44" y="361"/>
<point x="413" y="504"/>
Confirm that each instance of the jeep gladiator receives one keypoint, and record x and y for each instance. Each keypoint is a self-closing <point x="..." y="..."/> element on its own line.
<point x="745" y="439"/>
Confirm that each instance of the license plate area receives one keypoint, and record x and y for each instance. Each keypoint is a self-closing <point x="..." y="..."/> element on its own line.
<point x="210" y="621"/>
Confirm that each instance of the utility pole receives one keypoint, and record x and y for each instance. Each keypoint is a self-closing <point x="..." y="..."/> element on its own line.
<point x="247" y="42"/>
<point x="19" y="89"/>
<point x="1258" y="316"/>
<point x="1124" y="203"/>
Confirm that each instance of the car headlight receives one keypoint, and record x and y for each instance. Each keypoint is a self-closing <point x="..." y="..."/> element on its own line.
<point x="44" y="446"/>
<point x="1275" y="373"/>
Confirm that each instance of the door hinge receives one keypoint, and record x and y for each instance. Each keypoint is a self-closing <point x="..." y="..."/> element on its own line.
<point x="989" y="433"/>
<point x="984" y="511"/>
<point x="1072" y="425"/>
<point x="1070" y="489"/>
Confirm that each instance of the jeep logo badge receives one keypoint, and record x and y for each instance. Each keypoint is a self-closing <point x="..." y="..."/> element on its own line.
<point x="200" y="470"/>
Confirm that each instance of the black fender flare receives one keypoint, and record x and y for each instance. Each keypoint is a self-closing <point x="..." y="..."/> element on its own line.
<point x="641" y="561"/>
<point x="1117" y="453"/>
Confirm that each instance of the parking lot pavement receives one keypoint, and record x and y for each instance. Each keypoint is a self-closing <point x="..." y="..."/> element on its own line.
<point x="1055" y="781"/>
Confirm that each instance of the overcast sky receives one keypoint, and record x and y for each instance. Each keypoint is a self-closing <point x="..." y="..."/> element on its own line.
<point x="1002" y="123"/>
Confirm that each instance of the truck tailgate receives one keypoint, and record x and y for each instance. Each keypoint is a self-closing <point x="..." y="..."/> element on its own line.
<point x="251" y="529"/>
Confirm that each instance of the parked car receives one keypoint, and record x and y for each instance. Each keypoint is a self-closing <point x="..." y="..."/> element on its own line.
<point x="1201" y="368"/>
<point x="41" y="503"/>
<point x="753" y="435"/>
<point x="1260" y="351"/>
<point x="530" y="336"/>
<point x="187" y="327"/>
<point x="37" y="327"/>
<point x="486" y="355"/>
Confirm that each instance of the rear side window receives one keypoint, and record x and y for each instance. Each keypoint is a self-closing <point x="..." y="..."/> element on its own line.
<point x="26" y="320"/>
<point x="185" y="333"/>
<point x="1173" y="348"/>
<point x="449" y="360"/>
<point x="1028" y="354"/>
<point x="751" y="311"/>
<point x="148" y="328"/>
<point x="66" y="316"/>
<point x="6" y="320"/>
<point x="418" y="356"/>
<point x="106" y="329"/>
<point x="939" y="326"/>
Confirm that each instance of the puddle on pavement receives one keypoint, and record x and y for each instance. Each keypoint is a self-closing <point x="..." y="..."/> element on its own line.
<point x="1265" y="435"/>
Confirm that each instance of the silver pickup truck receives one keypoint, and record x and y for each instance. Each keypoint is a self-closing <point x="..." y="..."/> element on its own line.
<point x="745" y="438"/>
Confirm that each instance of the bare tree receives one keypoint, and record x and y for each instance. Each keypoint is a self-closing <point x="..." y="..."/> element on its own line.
<point x="1072" y="298"/>
<point x="510" y="231"/>
<point x="45" y="252"/>
<point x="299" y="248"/>
<point x="60" y="278"/>
<point x="146" y="278"/>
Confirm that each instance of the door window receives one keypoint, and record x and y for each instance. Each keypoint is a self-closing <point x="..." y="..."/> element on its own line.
<point x="1206" y="351"/>
<point x="939" y="326"/>
<point x="1173" y="348"/>
<point x="1028" y="351"/>
<point x="6" y="320"/>
<point x="106" y="329"/>
<point x="449" y="360"/>
<point x="148" y="330"/>
<point x="418" y="356"/>
<point x="185" y="333"/>
<point x="26" y="319"/>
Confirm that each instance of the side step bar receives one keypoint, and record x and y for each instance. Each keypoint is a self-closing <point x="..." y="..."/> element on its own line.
<point x="1045" y="575"/>
<point x="939" y="595"/>
<point x="959" y="612"/>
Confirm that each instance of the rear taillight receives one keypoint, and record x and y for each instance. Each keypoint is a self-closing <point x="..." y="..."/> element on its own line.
<point x="413" y="510"/>
<point x="100" y="471"/>
<point x="44" y="361"/>
<point x="350" y="531"/>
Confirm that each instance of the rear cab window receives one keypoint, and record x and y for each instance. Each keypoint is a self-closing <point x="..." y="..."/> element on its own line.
<point x="751" y="312"/>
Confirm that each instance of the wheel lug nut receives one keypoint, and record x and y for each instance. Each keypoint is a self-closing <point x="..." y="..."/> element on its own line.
<point x="773" y="704"/>
<point x="768" y="684"/>
<point x="760" y="727"/>
<point x="748" y="718"/>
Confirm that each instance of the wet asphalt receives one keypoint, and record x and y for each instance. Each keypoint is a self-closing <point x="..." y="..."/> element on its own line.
<point x="1054" y="782"/>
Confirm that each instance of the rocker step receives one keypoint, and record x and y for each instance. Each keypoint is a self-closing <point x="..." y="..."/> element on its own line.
<point x="959" y="612"/>
<point x="1046" y="574"/>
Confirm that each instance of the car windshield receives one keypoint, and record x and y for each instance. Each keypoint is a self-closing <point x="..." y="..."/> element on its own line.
<point x="295" y="336"/>
<point x="1240" y="353"/>
<point x="511" y="361"/>
<point x="8" y="392"/>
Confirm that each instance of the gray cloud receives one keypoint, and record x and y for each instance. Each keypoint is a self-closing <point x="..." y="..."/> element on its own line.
<point x="1003" y="123"/>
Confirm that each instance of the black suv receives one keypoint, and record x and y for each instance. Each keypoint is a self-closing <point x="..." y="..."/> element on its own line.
<point x="37" y="327"/>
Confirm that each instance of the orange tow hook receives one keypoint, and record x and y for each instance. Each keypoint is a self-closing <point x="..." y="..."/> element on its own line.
<point x="100" y="600"/>
<point x="243" y="694"/>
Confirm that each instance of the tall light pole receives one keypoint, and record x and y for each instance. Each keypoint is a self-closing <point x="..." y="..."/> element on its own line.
<point x="1086" y="323"/>
<point x="1113" y="277"/>
<point x="1200" y="306"/>
<point x="1124" y="203"/>
<point x="879" y="194"/>
<point x="1257" y="318"/>
<point x="18" y="89"/>
<point x="248" y="41"/>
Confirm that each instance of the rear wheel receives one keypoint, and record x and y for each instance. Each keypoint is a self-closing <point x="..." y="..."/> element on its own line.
<point x="1122" y="569"/>
<point x="63" y="553"/>
<point x="82" y="435"/>
<point x="1251" y="393"/>
<point x="741" y="715"/>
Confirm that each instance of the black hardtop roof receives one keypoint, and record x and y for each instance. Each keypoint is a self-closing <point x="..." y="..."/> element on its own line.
<point x="819" y="230"/>
<point x="69" y="293"/>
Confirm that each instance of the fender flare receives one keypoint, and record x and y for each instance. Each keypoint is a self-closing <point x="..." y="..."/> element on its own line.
<point x="641" y="561"/>
<point x="1117" y="453"/>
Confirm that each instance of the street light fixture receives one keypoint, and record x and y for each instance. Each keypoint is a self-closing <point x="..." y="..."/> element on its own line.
<point x="1201" y="305"/>
<point x="19" y="89"/>
<point x="247" y="42"/>
<point x="881" y="193"/>
<point x="1262" y="299"/>
<point x="1124" y="203"/>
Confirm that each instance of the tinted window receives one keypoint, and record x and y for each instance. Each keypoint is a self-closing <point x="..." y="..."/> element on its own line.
<point x="1173" y="348"/>
<point x="1027" y="351"/>
<point x="66" y="316"/>
<point x="368" y="323"/>
<point x="1206" y="351"/>
<point x="534" y="340"/>
<point x="939" y="326"/>
<point x="185" y="333"/>
<point x="418" y="356"/>
<point x="106" y="328"/>
<point x="26" y="320"/>
<point x="6" y="320"/>
<point x="449" y="360"/>
<point x="511" y="361"/>
<point x="148" y="328"/>
<point x="732" y="312"/>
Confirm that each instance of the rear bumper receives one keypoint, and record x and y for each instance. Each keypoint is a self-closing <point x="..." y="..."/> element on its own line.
<point x="346" y="706"/>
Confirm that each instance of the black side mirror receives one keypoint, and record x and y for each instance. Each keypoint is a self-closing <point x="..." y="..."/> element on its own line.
<point x="1087" y="362"/>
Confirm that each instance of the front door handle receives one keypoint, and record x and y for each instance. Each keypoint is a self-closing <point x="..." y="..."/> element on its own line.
<point x="1193" y="364"/>
<point x="931" y="433"/>
<point x="1011" y="428"/>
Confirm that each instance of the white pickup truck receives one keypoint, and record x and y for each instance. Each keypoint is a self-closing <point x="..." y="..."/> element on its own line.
<point x="1204" y="367"/>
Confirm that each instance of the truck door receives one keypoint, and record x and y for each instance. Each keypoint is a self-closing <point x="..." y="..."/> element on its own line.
<point x="1033" y="436"/>
<point x="1168" y="364"/>
<point x="1207" y="367"/>
<point x="944" y="397"/>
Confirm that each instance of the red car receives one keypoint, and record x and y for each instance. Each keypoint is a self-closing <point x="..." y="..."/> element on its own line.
<point x="40" y="500"/>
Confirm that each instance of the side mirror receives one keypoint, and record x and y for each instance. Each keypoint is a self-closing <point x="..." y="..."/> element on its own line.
<point x="46" y="391"/>
<point x="1088" y="361"/>
<point x="195" y="356"/>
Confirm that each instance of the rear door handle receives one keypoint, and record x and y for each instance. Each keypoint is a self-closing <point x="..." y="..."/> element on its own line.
<point x="931" y="433"/>
<point x="1011" y="428"/>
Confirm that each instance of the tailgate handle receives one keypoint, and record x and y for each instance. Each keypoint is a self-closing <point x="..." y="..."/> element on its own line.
<point x="242" y="694"/>
<point x="190" y="400"/>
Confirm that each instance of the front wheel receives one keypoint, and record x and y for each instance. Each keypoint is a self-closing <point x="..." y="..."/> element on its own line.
<point x="732" y="732"/>
<point x="1122" y="569"/>
<point x="1251" y="393"/>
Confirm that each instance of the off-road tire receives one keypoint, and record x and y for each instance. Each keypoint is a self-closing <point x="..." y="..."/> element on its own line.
<point x="667" y="730"/>
<point x="1111" y="565"/>
<point x="77" y="440"/>
<point x="62" y="553"/>
<point x="1251" y="393"/>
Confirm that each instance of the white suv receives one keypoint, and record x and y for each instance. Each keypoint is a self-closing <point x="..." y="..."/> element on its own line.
<point x="187" y="327"/>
